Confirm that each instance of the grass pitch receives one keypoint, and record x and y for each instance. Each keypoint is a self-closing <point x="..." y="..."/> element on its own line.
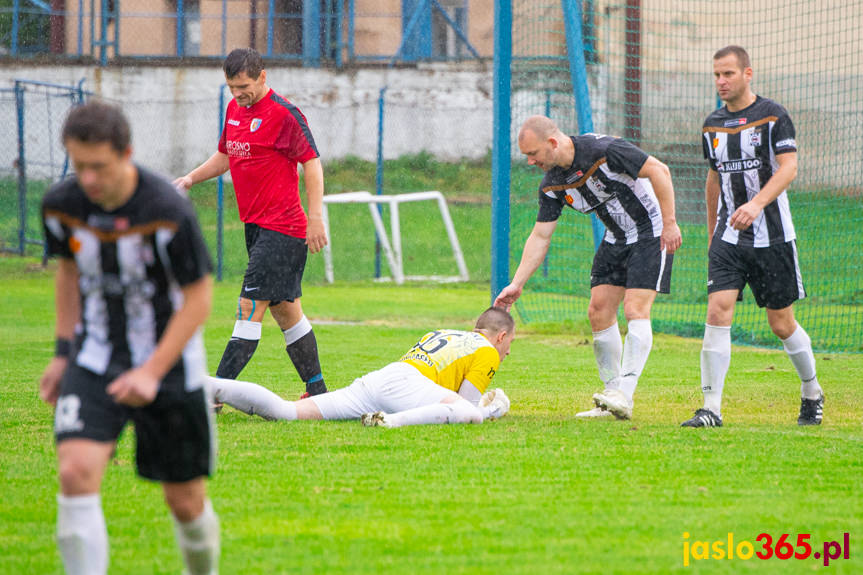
<point x="535" y="492"/>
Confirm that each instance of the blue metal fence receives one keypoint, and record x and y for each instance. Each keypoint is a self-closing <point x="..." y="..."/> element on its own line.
<point x="313" y="32"/>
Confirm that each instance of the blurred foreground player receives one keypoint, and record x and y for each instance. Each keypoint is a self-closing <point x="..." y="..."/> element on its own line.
<point x="134" y="271"/>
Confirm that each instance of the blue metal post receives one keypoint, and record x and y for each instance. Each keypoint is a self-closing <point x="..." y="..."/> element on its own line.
<point x="271" y="13"/>
<point x="80" y="27"/>
<point x="578" y="77"/>
<point x="22" y="169"/>
<point x="416" y="30"/>
<point x="181" y="29"/>
<point x="328" y="32"/>
<point x="312" y="33"/>
<point x="501" y="160"/>
<point x="103" y="33"/>
<point x="340" y="16"/>
<point x="379" y="173"/>
<point x="16" y="7"/>
<point x="220" y="218"/>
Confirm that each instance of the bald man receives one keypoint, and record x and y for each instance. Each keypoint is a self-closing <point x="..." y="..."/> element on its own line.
<point x="631" y="193"/>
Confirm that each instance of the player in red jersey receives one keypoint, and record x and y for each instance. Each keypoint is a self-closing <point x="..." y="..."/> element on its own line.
<point x="263" y="140"/>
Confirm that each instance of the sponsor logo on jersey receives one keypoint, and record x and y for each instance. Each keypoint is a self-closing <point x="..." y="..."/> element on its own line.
<point x="787" y="143"/>
<point x="256" y="123"/>
<point x="735" y="122"/>
<point x="755" y="138"/>
<point x="238" y="149"/>
<point x="234" y="122"/>
<point x="715" y="143"/>
<point x="738" y="166"/>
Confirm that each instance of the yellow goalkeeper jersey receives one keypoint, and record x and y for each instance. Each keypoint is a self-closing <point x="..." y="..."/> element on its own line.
<point x="449" y="356"/>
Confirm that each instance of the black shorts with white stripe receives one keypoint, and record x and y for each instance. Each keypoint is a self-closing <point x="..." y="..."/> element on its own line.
<point x="772" y="272"/>
<point x="640" y="265"/>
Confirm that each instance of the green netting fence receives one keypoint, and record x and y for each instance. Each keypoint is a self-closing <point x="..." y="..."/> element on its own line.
<point x="649" y="74"/>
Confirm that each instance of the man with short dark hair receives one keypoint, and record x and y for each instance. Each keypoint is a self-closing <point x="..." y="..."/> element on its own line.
<point x="750" y="147"/>
<point x="632" y="194"/>
<point x="443" y="378"/>
<point x="263" y="140"/>
<point x="135" y="272"/>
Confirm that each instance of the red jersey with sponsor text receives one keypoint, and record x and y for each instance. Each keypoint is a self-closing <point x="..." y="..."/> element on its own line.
<point x="264" y="142"/>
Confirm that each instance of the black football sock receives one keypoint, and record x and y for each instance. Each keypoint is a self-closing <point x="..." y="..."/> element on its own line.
<point x="240" y="349"/>
<point x="302" y="348"/>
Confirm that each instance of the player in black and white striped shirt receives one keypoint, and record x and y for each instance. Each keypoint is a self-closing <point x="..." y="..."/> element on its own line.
<point x="135" y="272"/>
<point x="751" y="148"/>
<point x="632" y="194"/>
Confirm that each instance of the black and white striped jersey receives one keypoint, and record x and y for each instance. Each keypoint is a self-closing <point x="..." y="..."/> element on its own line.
<point x="132" y="263"/>
<point x="603" y="178"/>
<point x="742" y="147"/>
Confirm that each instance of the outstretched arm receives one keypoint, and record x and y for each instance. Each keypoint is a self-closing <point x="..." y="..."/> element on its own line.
<point x="535" y="249"/>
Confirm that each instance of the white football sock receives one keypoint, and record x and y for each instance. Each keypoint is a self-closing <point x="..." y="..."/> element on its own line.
<point x="715" y="359"/>
<point x="198" y="540"/>
<point x="799" y="349"/>
<point x="636" y="349"/>
<point x="251" y="398"/>
<point x="461" y="411"/>
<point x="607" y="349"/>
<point x="81" y="534"/>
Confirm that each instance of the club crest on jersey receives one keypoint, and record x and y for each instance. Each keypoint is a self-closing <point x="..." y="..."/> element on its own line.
<point x="715" y="143"/>
<point x="755" y="138"/>
<point x="735" y="122"/>
<point x="256" y="123"/>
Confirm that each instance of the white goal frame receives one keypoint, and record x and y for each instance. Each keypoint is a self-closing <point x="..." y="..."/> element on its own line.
<point x="392" y="248"/>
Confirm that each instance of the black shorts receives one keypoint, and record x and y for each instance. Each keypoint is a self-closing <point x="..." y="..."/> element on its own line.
<point x="642" y="265"/>
<point x="773" y="272"/>
<point x="176" y="440"/>
<point x="276" y="265"/>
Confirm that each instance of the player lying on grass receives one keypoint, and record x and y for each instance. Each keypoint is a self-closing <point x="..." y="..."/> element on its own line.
<point x="441" y="379"/>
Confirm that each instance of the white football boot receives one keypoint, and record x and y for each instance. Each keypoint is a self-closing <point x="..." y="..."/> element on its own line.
<point x="615" y="401"/>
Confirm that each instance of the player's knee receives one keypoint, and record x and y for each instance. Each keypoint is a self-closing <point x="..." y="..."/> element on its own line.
<point x="183" y="505"/>
<point x="76" y="477"/>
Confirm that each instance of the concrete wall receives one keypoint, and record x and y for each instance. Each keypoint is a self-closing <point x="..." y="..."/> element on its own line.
<point x="174" y="111"/>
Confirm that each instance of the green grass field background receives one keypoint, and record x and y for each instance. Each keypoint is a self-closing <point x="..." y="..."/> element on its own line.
<point x="535" y="492"/>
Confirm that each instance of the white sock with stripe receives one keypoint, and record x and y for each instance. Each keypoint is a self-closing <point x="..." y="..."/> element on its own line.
<point x="799" y="349"/>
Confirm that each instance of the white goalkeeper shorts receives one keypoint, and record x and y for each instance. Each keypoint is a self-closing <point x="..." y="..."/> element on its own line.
<point x="396" y="387"/>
